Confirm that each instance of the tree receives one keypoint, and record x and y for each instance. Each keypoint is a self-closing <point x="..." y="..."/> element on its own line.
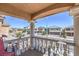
<point x="24" y="30"/>
<point x="46" y="30"/>
<point x="19" y="35"/>
<point x="10" y="31"/>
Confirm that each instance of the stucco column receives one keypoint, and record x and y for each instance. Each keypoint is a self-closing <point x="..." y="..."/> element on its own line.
<point x="31" y="33"/>
<point x="75" y="13"/>
<point x="1" y="22"/>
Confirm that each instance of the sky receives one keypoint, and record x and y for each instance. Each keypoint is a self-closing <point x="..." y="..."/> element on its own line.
<point x="16" y="22"/>
<point x="61" y="20"/>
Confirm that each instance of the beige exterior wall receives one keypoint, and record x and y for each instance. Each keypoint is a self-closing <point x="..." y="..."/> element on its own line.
<point x="4" y="30"/>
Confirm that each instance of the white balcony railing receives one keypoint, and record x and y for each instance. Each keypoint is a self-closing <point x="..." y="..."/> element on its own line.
<point x="24" y="44"/>
<point x="48" y="46"/>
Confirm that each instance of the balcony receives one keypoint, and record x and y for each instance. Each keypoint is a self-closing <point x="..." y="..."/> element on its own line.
<point x="42" y="46"/>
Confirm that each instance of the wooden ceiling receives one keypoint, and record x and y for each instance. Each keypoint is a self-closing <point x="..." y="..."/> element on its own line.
<point x="33" y="11"/>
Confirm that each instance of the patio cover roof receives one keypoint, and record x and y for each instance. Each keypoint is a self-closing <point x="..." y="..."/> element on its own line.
<point x="33" y="11"/>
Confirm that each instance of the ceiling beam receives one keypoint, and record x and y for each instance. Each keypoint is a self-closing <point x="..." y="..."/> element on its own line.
<point x="13" y="11"/>
<point x="55" y="8"/>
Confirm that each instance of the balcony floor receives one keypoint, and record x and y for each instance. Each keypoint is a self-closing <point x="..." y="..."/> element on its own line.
<point x="32" y="53"/>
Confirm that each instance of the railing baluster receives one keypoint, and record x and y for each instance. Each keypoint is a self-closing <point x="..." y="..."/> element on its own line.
<point x="57" y="47"/>
<point x="42" y="46"/>
<point x="38" y="44"/>
<point x="60" y="51"/>
<point x="46" y="44"/>
<point x="26" y="44"/>
<point x="68" y="50"/>
<point x="65" y="49"/>
<point x="20" y="46"/>
<point x="46" y="48"/>
<point x="51" y="46"/>
<point x="51" y="43"/>
<point x="54" y="48"/>
<point x="23" y="46"/>
<point x="35" y="44"/>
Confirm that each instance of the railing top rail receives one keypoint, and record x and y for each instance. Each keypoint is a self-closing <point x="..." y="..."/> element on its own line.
<point x="56" y="40"/>
<point x="17" y="39"/>
<point x="48" y="39"/>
